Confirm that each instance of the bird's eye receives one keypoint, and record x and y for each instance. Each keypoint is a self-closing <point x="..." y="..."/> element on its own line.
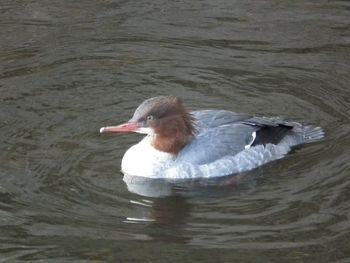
<point x="150" y="118"/>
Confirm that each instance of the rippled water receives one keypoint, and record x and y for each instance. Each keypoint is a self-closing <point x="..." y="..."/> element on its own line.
<point x="68" y="68"/>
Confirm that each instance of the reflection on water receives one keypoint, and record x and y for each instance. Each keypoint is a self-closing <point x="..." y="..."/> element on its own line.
<point x="147" y="187"/>
<point x="166" y="216"/>
<point x="68" y="68"/>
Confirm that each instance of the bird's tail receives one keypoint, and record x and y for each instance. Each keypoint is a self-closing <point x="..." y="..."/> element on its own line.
<point x="312" y="133"/>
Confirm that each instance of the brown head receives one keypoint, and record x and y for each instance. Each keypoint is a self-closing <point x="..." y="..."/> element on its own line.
<point x="163" y="117"/>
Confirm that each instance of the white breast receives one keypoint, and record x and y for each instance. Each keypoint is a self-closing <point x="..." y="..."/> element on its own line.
<point x="143" y="159"/>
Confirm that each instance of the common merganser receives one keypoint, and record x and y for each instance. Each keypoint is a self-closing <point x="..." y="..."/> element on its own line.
<point x="206" y="143"/>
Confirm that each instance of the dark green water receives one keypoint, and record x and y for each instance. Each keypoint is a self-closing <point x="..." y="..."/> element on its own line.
<point x="68" y="68"/>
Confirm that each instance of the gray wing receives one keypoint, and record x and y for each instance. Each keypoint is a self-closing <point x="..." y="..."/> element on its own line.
<point x="215" y="118"/>
<point x="212" y="144"/>
<point x="222" y="133"/>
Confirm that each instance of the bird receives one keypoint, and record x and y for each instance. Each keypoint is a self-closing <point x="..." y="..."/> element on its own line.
<point x="182" y="144"/>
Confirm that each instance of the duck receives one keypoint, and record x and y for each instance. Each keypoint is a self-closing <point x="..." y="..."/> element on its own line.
<point x="182" y="144"/>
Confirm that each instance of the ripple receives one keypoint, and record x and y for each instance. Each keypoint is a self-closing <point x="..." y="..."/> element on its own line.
<point x="75" y="67"/>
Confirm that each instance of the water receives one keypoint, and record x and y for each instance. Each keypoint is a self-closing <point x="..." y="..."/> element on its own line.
<point x="68" y="68"/>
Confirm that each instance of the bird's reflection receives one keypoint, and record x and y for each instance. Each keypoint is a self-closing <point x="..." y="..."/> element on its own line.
<point x="166" y="212"/>
<point x="148" y="187"/>
<point x="169" y="204"/>
<point x="170" y="216"/>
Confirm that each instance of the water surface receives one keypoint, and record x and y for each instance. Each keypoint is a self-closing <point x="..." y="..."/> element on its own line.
<point x="68" y="68"/>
